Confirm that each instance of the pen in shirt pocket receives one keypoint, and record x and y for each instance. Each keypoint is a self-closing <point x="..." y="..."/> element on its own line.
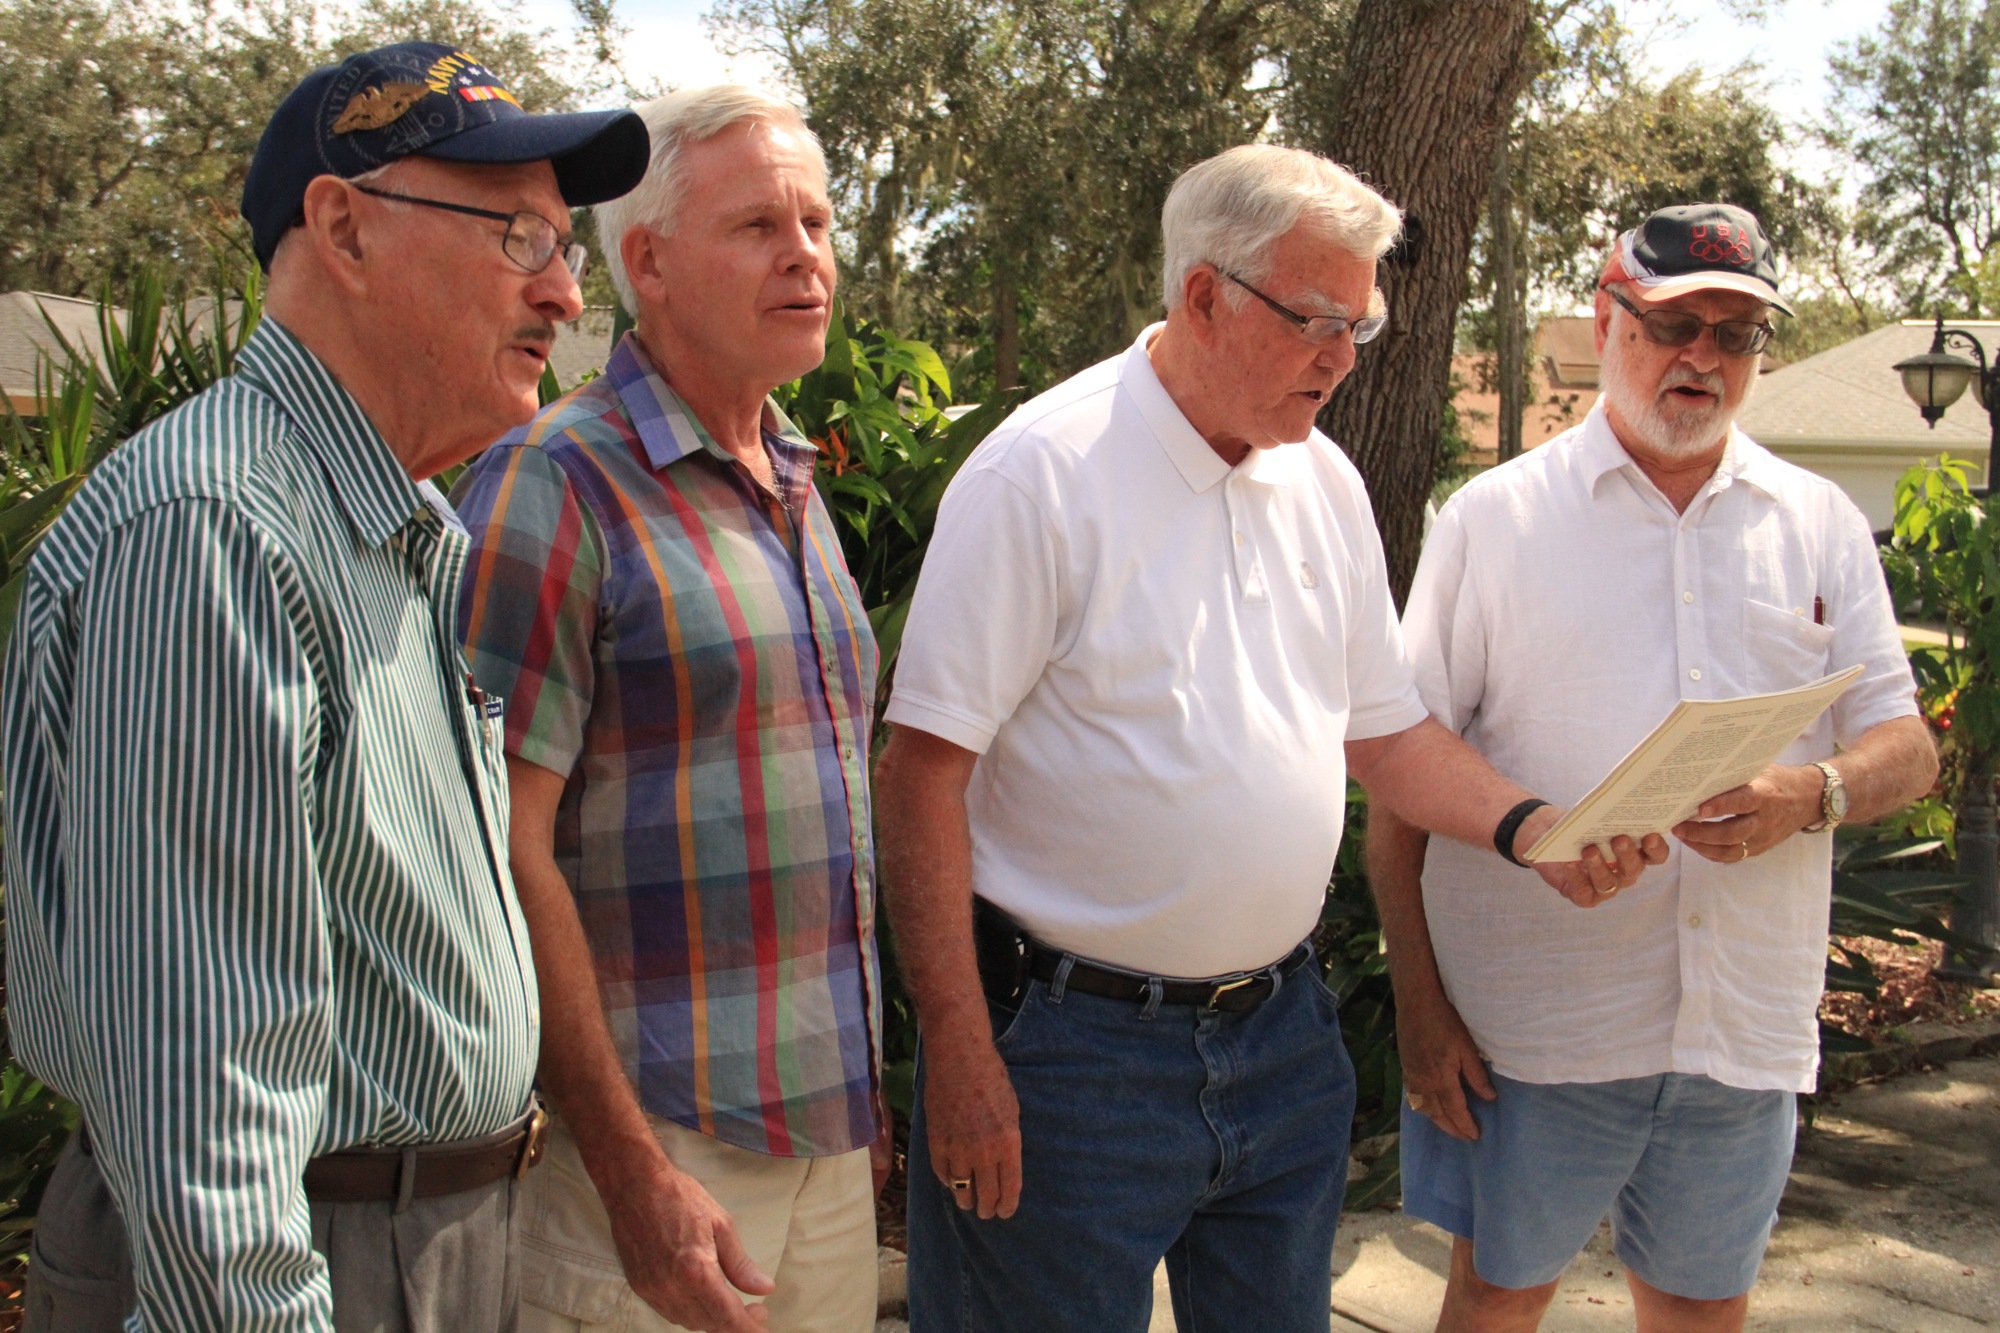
<point x="1819" y="610"/>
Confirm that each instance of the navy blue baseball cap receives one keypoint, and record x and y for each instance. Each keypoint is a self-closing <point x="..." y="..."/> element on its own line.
<point x="430" y="100"/>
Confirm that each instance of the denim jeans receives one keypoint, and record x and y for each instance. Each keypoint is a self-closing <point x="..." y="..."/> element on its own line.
<point x="1216" y="1141"/>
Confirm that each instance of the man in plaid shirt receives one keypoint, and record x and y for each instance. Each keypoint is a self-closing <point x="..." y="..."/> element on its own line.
<point x="658" y="593"/>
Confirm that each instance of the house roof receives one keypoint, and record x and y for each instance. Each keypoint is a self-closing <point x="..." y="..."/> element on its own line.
<point x="1851" y="397"/>
<point x="24" y="336"/>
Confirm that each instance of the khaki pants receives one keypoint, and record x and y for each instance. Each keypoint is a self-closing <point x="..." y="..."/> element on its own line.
<point x="809" y="1222"/>
<point x="442" y="1265"/>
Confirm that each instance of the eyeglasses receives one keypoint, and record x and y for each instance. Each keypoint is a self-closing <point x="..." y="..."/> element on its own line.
<point x="531" y="240"/>
<point x="1674" y="328"/>
<point x="1318" y="328"/>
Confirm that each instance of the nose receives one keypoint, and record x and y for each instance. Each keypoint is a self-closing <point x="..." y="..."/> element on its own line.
<point x="1703" y="354"/>
<point x="1338" y="355"/>
<point x="554" y="293"/>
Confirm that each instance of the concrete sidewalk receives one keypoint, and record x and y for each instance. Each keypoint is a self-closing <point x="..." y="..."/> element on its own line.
<point x="1891" y="1224"/>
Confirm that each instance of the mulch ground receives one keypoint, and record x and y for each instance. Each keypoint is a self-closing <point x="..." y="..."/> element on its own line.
<point x="1910" y="993"/>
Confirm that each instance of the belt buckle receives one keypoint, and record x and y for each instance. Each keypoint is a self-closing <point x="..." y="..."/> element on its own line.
<point x="1225" y="987"/>
<point x="537" y="1140"/>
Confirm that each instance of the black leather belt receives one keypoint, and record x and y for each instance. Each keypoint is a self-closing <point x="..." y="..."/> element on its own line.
<point x="1009" y="957"/>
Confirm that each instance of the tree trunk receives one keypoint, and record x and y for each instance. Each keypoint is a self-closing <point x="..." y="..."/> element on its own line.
<point x="1509" y="335"/>
<point x="1006" y="328"/>
<point x="1428" y="86"/>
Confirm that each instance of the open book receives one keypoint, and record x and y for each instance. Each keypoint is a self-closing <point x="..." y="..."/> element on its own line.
<point x="1703" y="748"/>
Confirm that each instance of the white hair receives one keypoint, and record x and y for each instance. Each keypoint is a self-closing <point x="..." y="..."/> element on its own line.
<point x="675" y="121"/>
<point x="1230" y="210"/>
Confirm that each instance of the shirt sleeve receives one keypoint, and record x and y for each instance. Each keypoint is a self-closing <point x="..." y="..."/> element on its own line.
<point x="983" y="622"/>
<point x="528" y="608"/>
<point x="1863" y="619"/>
<point x="193" y="942"/>
<point x="1441" y="627"/>
<point x="1382" y="697"/>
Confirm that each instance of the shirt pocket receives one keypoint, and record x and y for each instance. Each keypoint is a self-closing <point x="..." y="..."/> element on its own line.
<point x="1783" y="649"/>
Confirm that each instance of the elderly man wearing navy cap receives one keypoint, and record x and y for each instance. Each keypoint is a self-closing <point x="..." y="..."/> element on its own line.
<point x="1639" y="1059"/>
<point x="261" y="926"/>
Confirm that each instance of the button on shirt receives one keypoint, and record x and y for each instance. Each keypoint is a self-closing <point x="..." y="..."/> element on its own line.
<point x="1560" y="609"/>
<point x="257" y="899"/>
<point x="1158" y="658"/>
<point x="690" y="650"/>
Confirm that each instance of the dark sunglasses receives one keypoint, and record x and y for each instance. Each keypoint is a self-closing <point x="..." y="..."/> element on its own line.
<point x="531" y="239"/>
<point x="1318" y="328"/>
<point x="1672" y="328"/>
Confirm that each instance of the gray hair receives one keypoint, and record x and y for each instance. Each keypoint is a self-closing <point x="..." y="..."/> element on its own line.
<point x="675" y="121"/>
<point x="1231" y="209"/>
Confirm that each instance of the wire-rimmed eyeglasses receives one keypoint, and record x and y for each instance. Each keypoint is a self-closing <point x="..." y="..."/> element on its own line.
<point x="531" y="240"/>
<point x="1318" y="328"/>
<point x="1677" y="328"/>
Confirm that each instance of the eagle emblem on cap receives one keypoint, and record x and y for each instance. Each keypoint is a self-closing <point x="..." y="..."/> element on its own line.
<point x="372" y="108"/>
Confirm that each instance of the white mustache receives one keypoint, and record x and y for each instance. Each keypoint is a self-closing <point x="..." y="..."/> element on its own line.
<point x="1679" y="375"/>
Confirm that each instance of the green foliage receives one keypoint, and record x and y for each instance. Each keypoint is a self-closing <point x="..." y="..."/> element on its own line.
<point x="1349" y="940"/>
<point x="876" y="407"/>
<point x="1886" y="886"/>
<point x="160" y="353"/>
<point x="1000" y="167"/>
<point x="1944" y="565"/>
<point x="126" y="126"/>
<point x="1916" y="107"/>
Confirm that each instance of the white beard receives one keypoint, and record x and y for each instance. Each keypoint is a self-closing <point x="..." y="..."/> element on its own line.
<point x="1662" y="422"/>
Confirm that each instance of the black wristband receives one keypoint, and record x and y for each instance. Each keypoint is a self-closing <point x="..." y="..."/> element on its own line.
<point x="1510" y="824"/>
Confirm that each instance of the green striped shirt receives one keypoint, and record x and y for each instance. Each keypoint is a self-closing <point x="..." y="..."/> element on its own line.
<point x="257" y="898"/>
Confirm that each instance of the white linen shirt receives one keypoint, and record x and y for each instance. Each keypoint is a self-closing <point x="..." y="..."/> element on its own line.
<point x="1560" y="609"/>
<point x="1157" y="657"/>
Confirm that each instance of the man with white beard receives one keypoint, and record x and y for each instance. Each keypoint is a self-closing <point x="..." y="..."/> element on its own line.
<point x="1639" y="1059"/>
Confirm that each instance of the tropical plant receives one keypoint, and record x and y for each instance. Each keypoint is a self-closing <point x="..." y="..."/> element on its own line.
<point x="1943" y="561"/>
<point x="879" y="408"/>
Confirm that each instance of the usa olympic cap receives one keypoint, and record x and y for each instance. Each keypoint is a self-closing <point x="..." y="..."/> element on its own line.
<point x="1696" y="247"/>
<point x="425" y="99"/>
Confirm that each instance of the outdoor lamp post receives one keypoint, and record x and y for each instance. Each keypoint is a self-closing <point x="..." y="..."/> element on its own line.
<point x="1934" y="382"/>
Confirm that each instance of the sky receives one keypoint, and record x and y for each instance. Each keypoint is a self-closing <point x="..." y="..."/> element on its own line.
<point x="668" y="42"/>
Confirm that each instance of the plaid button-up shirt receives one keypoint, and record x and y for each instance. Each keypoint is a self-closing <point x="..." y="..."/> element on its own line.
<point x="691" y="652"/>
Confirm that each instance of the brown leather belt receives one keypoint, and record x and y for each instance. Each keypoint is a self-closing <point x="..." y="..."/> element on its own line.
<point x="427" y="1170"/>
<point x="420" y="1170"/>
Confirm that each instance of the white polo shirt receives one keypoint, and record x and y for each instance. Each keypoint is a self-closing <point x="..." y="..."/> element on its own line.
<point x="1157" y="657"/>
<point x="1561" y="607"/>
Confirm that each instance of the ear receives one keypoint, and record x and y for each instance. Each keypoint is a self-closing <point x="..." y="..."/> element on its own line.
<point x="641" y="247"/>
<point x="1601" y="326"/>
<point x="335" y="230"/>
<point x="1201" y="298"/>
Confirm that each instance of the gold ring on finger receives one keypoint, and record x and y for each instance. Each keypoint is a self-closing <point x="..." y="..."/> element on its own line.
<point x="1746" y="851"/>
<point x="961" y="1184"/>
<point x="1416" y="1100"/>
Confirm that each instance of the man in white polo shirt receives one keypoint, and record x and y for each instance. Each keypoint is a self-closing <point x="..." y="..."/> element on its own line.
<point x="1643" y="1056"/>
<point x="1152" y="639"/>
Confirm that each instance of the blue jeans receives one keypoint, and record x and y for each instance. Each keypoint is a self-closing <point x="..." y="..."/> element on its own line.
<point x="1217" y="1141"/>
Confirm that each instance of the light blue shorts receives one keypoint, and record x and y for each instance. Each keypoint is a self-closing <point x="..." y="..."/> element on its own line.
<point x="1689" y="1169"/>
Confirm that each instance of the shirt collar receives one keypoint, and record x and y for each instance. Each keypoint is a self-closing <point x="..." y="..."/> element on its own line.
<point x="367" y="480"/>
<point x="669" y="432"/>
<point x="1743" y="459"/>
<point x="1199" y="465"/>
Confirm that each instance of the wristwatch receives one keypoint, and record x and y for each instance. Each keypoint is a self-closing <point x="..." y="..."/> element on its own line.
<point x="1832" y="799"/>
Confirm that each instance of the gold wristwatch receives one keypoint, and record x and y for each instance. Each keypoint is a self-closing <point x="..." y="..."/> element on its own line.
<point x="1832" y="799"/>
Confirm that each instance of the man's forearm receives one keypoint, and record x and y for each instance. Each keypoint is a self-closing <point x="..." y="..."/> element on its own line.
<point x="926" y="847"/>
<point x="580" y="1071"/>
<point x="1890" y="765"/>
<point x="1395" y="858"/>
<point x="1434" y="780"/>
